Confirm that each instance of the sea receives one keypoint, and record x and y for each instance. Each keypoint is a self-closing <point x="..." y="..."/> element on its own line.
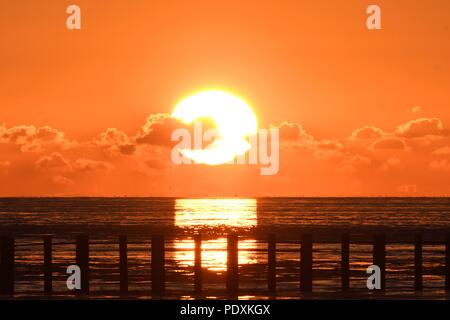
<point x="252" y="219"/>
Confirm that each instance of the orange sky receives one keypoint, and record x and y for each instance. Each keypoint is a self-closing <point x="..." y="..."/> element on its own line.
<point x="312" y="64"/>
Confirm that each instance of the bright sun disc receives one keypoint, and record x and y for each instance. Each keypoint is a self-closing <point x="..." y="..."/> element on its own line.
<point x="234" y="120"/>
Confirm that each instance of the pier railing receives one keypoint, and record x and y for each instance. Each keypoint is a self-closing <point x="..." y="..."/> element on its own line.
<point x="158" y="263"/>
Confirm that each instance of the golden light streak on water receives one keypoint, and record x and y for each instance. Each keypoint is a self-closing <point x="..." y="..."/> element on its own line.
<point x="238" y="214"/>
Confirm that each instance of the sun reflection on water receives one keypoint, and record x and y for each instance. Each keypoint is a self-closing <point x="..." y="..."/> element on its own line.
<point x="236" y="214"/>
<point x="239" y="213"/>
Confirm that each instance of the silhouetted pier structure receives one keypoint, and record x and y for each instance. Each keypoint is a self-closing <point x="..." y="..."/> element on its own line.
<point x="158" y="264"/>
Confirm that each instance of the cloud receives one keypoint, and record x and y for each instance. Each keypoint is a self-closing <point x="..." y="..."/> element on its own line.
<point x="327" y="149"/>
<point x="5" y="163"/>
<point x="408" y="188"/>
<point x="151" y="167"/>
<point x="54" y="161"/>
<point x="327" y="154"/>
<point x="416" y="109"/>
<point x="294" y="133"/>
<point x="357" y="159"/>
<point x="343" y="162"/>
<point x="154" y="163"/>
<point x="340" y="163"/>
<point x="57" y="162"/>
<point x="442" y="151"/>
<point x="421" y="128"/>
<point x="158" y="129"/>
<point x="368" y="133"/>
<point x="329" y="145"/>
<point x="32" y="139"/>
<point x="390" y="143"/>
<point x="115" y="141"/>
<point x="349" y="163"/>
<point x="84" y="164"/>
<point x="391" y="163"/>
<point x="64" y="181"/>
<point x="443" y="165"/>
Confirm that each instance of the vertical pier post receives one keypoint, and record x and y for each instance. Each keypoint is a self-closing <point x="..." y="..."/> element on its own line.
<point x="198" y="264"/>
<point x="232" y="264"/>
<point x="7" y="265"/>
<point x="271" y="263"/>
<point x="418" y="262"/>
<point x="123" y="256"/>
<point x="379" y="256"/>
<point x="447" y="263"/>
<point x="48" y="265"/>
<point x="82" y="257"/>
<point x="158" y="259"/>
<point x="345" y="262"/>
<point x="306" y="261"/>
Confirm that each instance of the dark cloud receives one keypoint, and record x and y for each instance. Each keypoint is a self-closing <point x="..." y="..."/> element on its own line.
<point x="83" y="164"/>
<point x="32" y="139"/>
<point x="54" y="161"/>
<point x="390" y="143"/>
<point x="115" y="141"/>
<point x="154" y="163"/>
<point x="368" y="132"/>
<point x="158" y="129"/>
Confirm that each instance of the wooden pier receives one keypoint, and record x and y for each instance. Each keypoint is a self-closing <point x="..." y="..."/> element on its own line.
<point x="158" y="264"/>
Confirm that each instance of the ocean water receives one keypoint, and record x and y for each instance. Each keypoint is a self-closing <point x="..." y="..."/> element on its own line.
<point x="252" y="219"/>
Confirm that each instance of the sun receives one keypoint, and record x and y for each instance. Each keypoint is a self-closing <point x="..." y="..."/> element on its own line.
<point x="234" y="120"/>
